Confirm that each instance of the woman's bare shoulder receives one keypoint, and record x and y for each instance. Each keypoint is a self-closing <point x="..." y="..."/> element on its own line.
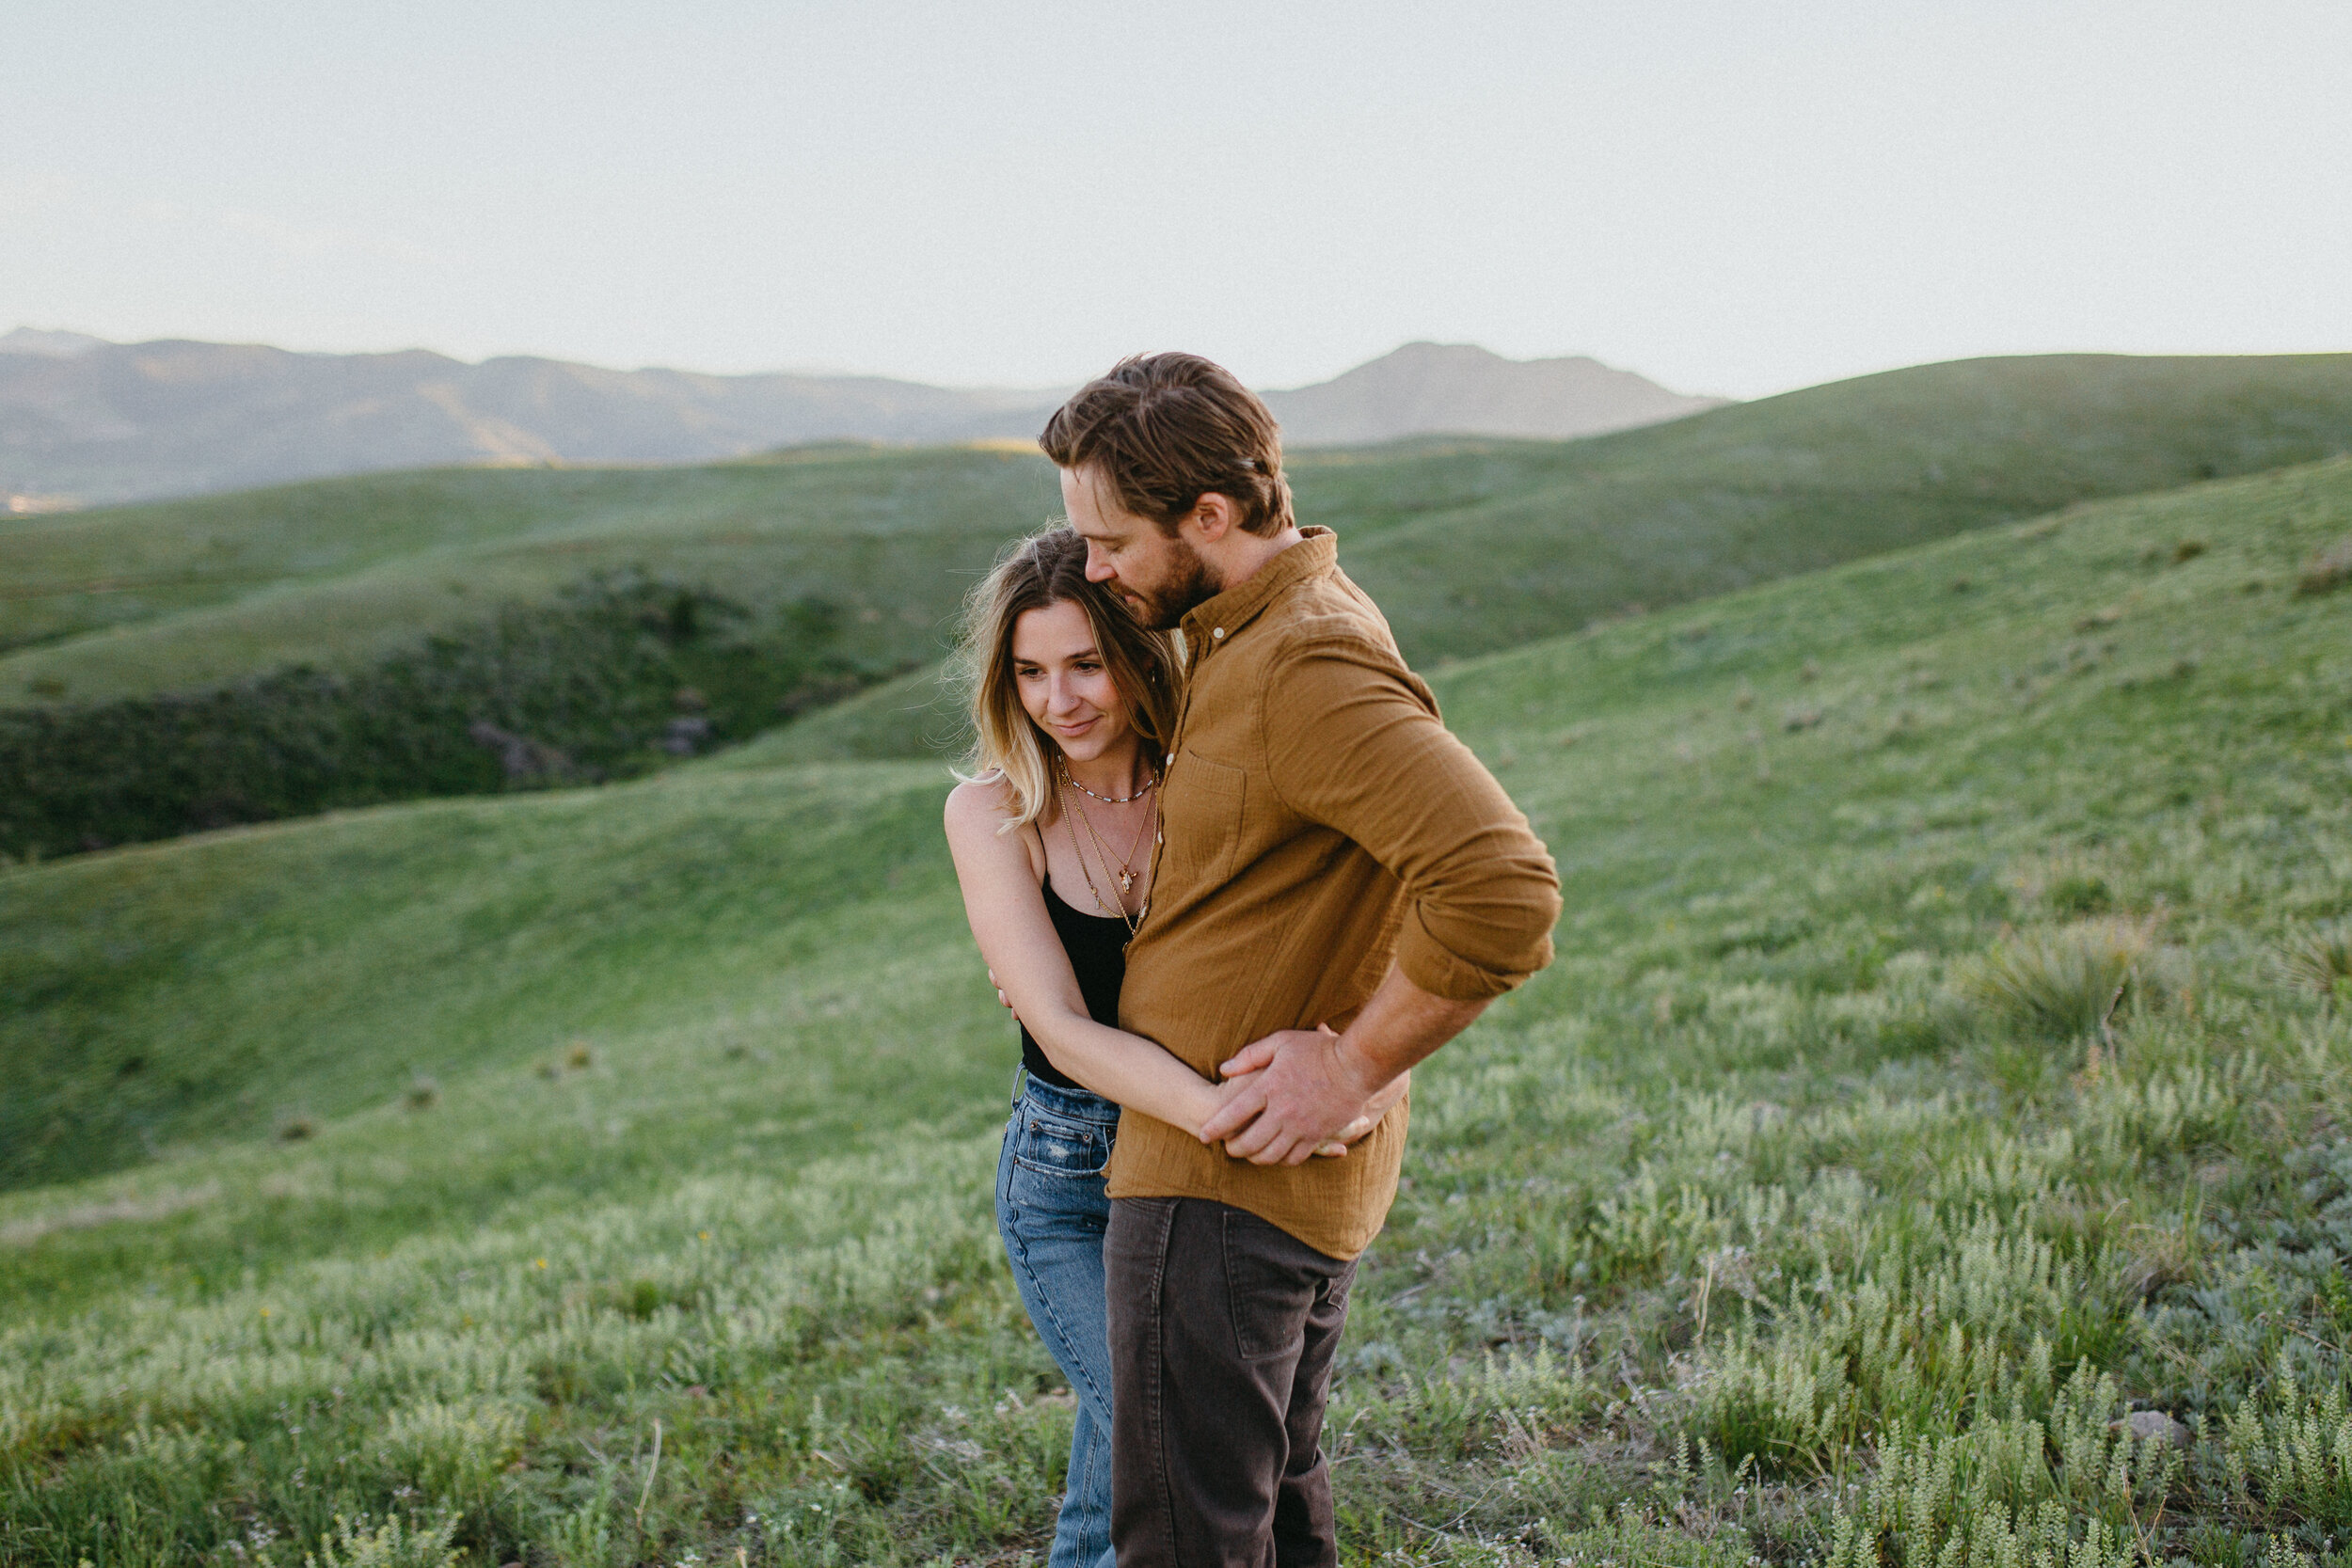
<point x="981" y="805"/>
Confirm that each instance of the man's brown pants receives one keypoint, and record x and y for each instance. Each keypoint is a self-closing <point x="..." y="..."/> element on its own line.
<point x="1222" y="1330"/>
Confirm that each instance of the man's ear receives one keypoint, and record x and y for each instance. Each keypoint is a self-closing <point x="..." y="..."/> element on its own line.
<point x="1214" y="516"/>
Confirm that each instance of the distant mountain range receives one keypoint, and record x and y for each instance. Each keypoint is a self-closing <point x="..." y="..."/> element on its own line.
<point x="86" y="422"/>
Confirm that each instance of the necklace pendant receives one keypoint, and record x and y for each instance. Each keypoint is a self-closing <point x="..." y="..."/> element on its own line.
<point x="1126" y="881"/>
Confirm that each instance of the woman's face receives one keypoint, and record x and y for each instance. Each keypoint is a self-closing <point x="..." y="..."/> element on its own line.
<point x="1064" y="684"/>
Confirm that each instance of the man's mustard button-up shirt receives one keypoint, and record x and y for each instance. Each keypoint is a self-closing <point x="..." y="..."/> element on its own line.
<point x="1319" y="823"/>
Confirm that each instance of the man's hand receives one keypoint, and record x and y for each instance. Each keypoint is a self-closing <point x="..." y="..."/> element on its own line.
<point x="1304" y="1092"/>
<point x="1002" y="998"/>
<point x="1315" y="1085"/>
<point x="1331" y="1147"/>
<point x="1255" y="1057"/>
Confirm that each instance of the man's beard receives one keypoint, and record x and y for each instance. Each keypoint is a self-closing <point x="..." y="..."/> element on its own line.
<point x="1164" y="608"/>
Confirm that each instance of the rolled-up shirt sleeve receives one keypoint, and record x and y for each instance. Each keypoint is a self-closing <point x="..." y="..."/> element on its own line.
<point x="1357" y="745"/>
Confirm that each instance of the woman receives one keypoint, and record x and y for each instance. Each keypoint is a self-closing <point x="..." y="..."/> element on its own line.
<point x="1053" y="830"/>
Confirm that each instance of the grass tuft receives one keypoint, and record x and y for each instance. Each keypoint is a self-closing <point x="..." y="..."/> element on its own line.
<point x="2065" y="982"/>
<point x="2319" y="958"/>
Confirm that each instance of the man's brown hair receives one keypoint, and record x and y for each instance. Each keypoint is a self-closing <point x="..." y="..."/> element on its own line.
<point x="1163" y="430"/>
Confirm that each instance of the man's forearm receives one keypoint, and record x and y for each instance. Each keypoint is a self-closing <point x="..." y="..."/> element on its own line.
<point x="1398" y="1029"/>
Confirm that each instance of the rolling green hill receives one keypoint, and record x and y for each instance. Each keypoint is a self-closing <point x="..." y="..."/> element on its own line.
<point x="1941" y="1064"/>
<point x="1480" y="551"/>
<point x="335" y="574"/>
<point x="341" y="572"/>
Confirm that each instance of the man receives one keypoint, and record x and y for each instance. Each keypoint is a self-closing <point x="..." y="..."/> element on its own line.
<point x="1328" y="853"/>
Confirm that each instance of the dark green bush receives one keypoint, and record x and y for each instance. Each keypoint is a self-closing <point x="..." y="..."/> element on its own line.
<point x="613" y="677"/>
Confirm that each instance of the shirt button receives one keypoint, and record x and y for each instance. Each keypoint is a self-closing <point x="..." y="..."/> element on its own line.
<point x="1171" y="760"/>
<point x="1219" y="634"/>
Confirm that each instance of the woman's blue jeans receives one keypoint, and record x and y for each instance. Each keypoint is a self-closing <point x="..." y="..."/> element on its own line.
<point x="1051" y="1209"/>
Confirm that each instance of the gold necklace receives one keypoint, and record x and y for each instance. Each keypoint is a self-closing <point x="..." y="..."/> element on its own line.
<point x="1127" y="871"/>
<point x="1133" y="922"/>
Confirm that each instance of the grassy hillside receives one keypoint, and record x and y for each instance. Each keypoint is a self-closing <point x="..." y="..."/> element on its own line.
<point x="1486" y="550"/>
<point x="341" y="572"/>
<point x="1471" y="545"/>
<point x="1941" y="1064"/>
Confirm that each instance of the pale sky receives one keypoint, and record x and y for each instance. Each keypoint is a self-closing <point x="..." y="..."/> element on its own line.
<point x="1734" y="198"/>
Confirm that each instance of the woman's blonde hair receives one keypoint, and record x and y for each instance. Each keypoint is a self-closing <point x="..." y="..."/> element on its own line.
<point x="1050" y="568"/>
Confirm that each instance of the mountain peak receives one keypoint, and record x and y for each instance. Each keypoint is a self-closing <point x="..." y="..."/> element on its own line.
<point x="1462" y="389"/>
<point x="49" y="344"/>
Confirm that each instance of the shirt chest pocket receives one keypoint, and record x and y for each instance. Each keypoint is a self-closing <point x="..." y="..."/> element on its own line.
<point x="1201" y="819"/>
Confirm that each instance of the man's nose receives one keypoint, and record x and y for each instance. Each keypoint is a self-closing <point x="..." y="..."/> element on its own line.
<point x="1098" y="569"/>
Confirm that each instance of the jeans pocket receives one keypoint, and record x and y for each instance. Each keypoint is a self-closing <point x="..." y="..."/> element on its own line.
<point x="1056" y="1146"/>
<point x="1268" y="1288"/>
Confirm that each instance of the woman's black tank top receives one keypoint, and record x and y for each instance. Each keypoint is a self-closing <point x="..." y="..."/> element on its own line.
<point x="1097" y="945"/>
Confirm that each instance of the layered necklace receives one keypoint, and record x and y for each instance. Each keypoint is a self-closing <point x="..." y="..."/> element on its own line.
<point x="1127" y="869"/>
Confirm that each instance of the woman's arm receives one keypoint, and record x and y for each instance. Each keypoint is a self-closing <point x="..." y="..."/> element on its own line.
<point x="1006" y="909"/>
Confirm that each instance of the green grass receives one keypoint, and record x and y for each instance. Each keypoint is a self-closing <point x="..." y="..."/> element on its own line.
<point x="1754" y="1227"/>
<point x="338" y="573"/>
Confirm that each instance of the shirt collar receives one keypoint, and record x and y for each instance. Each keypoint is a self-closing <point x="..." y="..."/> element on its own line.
<point x="1213" y="622"/>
